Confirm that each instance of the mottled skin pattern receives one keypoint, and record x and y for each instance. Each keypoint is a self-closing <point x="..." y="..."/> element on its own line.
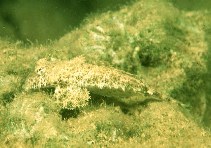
<point x="74" y="79"/>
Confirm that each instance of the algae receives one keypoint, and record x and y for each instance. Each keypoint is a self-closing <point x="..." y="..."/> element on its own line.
<point x="160" y="43"/>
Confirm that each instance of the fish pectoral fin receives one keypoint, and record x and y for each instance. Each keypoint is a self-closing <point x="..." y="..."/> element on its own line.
<point x="71" y="97"/>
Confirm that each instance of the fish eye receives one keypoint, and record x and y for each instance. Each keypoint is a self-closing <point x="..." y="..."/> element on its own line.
<point x="40" y="70"/>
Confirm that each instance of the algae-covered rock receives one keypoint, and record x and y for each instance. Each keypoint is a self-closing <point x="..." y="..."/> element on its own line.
<point x="153" y="40"/>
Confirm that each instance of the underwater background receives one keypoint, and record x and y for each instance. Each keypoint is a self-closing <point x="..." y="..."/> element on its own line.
<point x="165" y="43"/>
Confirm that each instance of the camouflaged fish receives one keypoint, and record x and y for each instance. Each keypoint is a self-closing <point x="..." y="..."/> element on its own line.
<point x="73" y="81"/>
